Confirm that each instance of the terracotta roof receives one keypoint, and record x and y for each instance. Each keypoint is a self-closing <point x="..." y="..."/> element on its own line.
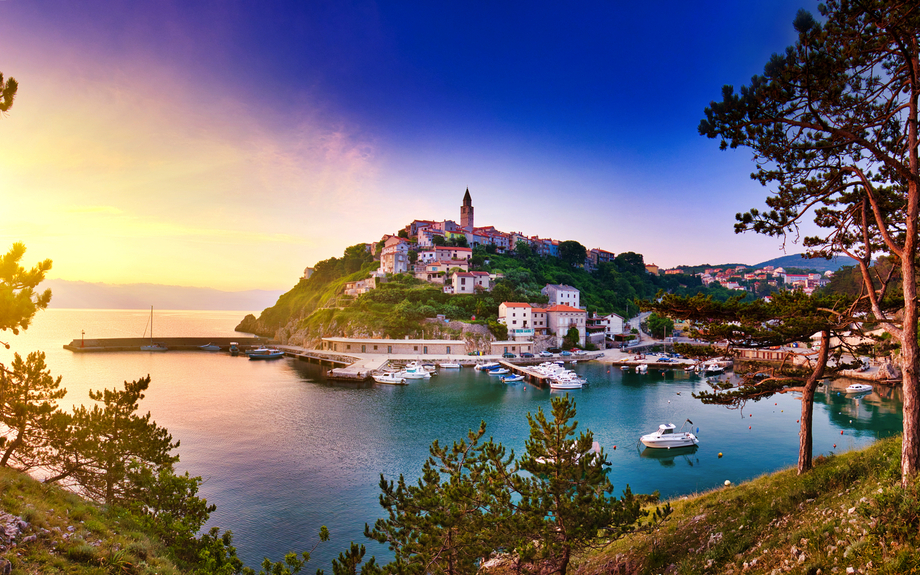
<point x="563" y="307"/>
<point x="515" y="304"/>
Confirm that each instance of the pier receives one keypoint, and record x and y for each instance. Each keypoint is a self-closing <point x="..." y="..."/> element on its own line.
<point x="172" y="343"/>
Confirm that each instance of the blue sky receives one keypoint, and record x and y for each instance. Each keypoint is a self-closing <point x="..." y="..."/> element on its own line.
<point x="231" y="144"/>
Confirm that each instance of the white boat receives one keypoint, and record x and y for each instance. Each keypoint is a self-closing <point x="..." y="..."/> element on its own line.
<point x="563" y="384"/>
<point x="499" y="371"/>
<point x="153" y="346"/>
<point x="858" y="388"/>
<point x="512" y="378"/>
<point x="389" y="378"/>
<point x="486" y="366"/>
<point x="209" y="347"/>
<point x="265" y="353"/>
<point x="666" y="437"/>
<point x="414" y="371"/>
<point x="643" y="368"/>
<point x="450" y="365"/>
<point x="713" y="367"/>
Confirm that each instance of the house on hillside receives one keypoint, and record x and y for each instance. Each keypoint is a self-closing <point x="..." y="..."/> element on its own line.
<point x="517" y="318"/>
<point x="394" y="257"/>
<point x="470" y="282"/>
<point x="561" y="318"/>
<point x="561" y="294"/>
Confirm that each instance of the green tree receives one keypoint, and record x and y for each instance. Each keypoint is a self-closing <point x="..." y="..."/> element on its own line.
<point x="572" y="253"/>
<point x="438" y="240"/>
<point x="660" y="325"/>
<point x="446" y="522"/>
<point x="28" y="411"/>
<point x="523" y="250"/>
<point x="571" y="338"/>
<point x="834" y="126"/>
<point x="566" y="501"/>
<point x="19" y="300"/>
<point x="7" y="93"/>
<point x="107" y="447"/>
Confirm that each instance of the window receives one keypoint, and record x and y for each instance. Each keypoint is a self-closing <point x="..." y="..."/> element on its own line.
<point x="363" y="349"/>
<point x="348" y="347"/>
<point x="375" y="348"/>
<point x="425" y="349"/>
<point x="448" y="350"/>
<point x="389" y="349"/>
<point x="414" y="348"/>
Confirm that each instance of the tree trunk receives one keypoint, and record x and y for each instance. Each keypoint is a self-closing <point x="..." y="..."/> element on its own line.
<point x="910" y="446"/>
<point x="808" y="402"/>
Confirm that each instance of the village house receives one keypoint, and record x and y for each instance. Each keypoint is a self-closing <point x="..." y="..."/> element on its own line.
<point x="394" y="258"/>
<point x="359" y="287"/>
<point x="470" y="282"/>
<point x="517" y="318"/>
<point x="560" y="318"/>
<point x="437" y="272"/>
<point x="561" y="294"/>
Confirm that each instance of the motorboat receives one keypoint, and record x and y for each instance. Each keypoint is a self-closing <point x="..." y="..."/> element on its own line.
<point x="389" y="378"/>
<point x="666" y="437"/>
<point x="565" y="384"/>
<point x="499" y="371"/>
<point x="512" y="378"/>
<point x="234" y="348"/>
<point x="265" y="353"/>
<point x="643" y="368"/>
<point x="486" y="366"/>
<point x="450" y="365"/>
<point x="414" y="372"/>
<point x="713" y="367"/>
<point x="209" y="347"/>
<point x="858" y="388"/>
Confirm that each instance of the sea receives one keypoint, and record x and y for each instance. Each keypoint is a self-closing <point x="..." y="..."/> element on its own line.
<point x="281" y="450"/>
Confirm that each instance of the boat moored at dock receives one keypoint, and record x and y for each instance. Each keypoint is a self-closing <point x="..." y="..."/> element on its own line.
<point x="265" y="353"/>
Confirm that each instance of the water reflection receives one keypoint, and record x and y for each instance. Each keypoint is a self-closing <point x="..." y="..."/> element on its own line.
<point x="670" y="457"/>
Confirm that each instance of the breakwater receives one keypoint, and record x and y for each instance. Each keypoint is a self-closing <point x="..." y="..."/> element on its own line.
<point x="173" y="343"/>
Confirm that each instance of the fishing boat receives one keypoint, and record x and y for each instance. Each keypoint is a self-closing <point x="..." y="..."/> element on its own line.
<point x="209" y="347"/>
<point x="153" y="346"/>
<point x="858" y="388"/>
<point x="450" y="365"/>
<point x="486" y="366"/>
<point x="565" y="384"/>
<point x="512" y="378"/>
<point x="234" y="348"/>
<point x="665" y="437"/>
<point x="265" y="353"/>
<point x="414" y="371"/>
<point x="498" y="371"/>
<point x="713" y="367"/>
<point x="389" y="378"/>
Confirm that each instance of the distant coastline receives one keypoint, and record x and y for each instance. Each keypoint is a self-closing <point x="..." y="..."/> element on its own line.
<point x="68" y="294"/>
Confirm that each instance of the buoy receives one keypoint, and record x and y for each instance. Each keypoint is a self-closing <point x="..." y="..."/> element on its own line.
<point x="727" y="483"/>
<point x="749" y="426"/>
<point x="720" y="455"/>
<point x="797" y="421"/>
<point x="750" y="415"/>
<point x="614" y="447"/>
<point x="835" y="446"/>
<point x="841" y="432"/>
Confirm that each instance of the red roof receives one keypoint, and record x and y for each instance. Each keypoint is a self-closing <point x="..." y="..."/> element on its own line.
<point x="563" y="307"/>
<point x="515" y="304"/>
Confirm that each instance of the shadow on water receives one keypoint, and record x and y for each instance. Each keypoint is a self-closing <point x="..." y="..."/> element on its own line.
<point x="670" y="457"/>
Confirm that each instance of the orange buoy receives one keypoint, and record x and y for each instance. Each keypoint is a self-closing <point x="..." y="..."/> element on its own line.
<point x="841" y="432"/>
<point x="614" y="447"/>
<point x="720" y="455"/>
<point x="749" y="426"/>
<point x="835" y="446"/>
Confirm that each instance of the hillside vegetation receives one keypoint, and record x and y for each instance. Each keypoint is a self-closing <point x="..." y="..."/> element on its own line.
<point x="317" y="307"/>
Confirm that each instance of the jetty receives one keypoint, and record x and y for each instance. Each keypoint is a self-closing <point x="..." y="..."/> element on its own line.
<point x="86" y="345"/>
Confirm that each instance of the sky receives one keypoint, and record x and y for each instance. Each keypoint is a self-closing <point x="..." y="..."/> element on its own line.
<point x="230" y="144"/>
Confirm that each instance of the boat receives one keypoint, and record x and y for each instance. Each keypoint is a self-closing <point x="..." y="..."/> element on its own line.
<point x="153" y="346"/>
<point x="498" y="371"/>
<point x="234" y="348"/>
<point x="209" y="347"/>
<point x="643" y="368"/>
<point x="858" y="388"/>
<point x="265" y="353"/>
<point x="713" y="367"/>
<point x="389" y="378"/>
<point x="666" y="438"/>
<point x="512" y="378"/>
<point x="564" y="384"/>
<point x="450" y="365"/>
<point x="486" y="366"/>
<point x="414" y="371"/>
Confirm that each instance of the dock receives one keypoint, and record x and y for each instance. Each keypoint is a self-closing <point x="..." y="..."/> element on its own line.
<point x="172" y="343"/>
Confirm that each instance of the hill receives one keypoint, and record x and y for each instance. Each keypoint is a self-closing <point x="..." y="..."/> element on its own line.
<point x="84" y="295"/>
<point x="799" y="261"/>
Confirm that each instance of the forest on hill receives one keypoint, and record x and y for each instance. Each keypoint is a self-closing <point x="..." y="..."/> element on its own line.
<point x="317" y="306"/>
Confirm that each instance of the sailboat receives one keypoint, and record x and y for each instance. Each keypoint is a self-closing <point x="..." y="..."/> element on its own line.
<point x="153" y="346"/>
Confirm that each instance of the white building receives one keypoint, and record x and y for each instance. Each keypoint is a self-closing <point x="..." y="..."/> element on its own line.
<point x="394" y="258"/>
<point x="561" y="295"/>
<point x="561" y="318"/>
<point x="517" y="317"/>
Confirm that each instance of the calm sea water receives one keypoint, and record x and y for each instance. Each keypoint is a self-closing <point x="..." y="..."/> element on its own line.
<point x="282" y="451"/>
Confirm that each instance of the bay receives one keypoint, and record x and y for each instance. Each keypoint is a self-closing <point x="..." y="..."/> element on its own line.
<point x="283" y="451"/>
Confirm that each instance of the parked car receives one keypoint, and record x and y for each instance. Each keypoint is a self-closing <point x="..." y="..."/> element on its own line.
<point x="525" y="354"/>
<point x="553" y="349"/>
<point x="580" y="352"/>
<point x="545" y="354"/>
<point x="508" y="355"/>
<point x="563" y="352"/>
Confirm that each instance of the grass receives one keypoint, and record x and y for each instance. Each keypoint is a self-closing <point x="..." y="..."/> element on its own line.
<point x="849" y="512"/>
<point x="67" y="534"/>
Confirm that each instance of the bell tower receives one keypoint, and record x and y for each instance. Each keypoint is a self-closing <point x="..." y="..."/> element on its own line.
<point x="466" y="211"/>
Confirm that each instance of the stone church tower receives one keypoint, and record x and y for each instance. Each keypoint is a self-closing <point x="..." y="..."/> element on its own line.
<point x="466" y="211"/>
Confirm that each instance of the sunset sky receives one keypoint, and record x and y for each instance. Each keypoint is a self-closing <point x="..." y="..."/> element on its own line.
<point x="230" y="144"/>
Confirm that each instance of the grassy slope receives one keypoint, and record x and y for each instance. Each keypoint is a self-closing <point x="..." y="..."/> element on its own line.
<point x="849" y="512"/>
<point x="72" y="535"/>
